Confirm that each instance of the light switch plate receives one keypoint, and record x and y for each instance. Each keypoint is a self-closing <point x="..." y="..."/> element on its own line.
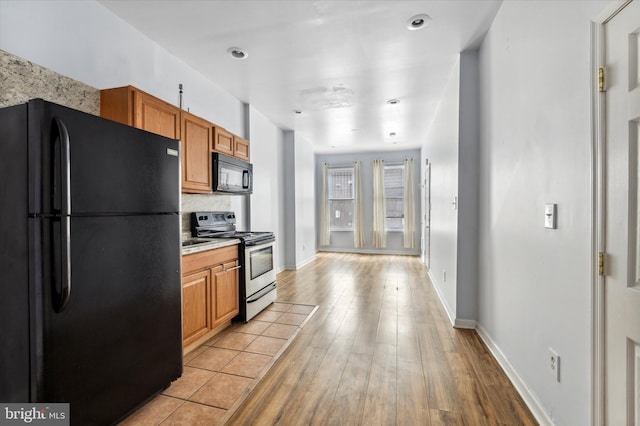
<point x="550" y="216"/>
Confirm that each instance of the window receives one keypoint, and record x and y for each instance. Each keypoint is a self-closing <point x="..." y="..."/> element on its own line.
<point x="394" y="196"/>
<point x="341" y="198"/>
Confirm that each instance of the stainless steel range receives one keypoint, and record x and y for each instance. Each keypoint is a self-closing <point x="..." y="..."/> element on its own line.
<point x="258" y="279"/>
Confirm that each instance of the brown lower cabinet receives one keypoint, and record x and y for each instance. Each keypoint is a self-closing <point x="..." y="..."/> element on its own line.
<point x="209" y="292"/>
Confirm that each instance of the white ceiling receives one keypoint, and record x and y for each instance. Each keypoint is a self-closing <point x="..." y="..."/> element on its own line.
<point x="338" y="62"/>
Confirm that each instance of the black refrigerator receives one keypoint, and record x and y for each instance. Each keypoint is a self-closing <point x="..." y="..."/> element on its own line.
<point x="90" y="266"/>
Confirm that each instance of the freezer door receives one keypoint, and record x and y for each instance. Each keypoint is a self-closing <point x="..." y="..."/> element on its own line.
<point x="118" y="339"/>
<point x="92" y="166"/>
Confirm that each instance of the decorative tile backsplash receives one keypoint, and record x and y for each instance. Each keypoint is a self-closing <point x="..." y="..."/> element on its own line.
<point x="21" y="80"/>
<point x="202" y="203"/>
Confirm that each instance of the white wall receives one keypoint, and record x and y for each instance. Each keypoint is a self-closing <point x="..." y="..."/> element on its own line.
<point x="305" y="215"/>
<point x="451" y="147"/>
<point x="535" y="149"/>
<point x="87" y="42"/>
<point x="468" y="163"/>
<point x="298" y="200"/>
<point x="288" y="199"/>
<point x="441" y="148"/>
<point x="266" y="138"/>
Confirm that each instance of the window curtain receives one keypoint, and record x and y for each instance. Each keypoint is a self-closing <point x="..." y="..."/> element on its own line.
<point x="409" y="231"/>
<point x="379" y="207"/>
<point x="325" y="234"/>
<point x="358" y="231"/>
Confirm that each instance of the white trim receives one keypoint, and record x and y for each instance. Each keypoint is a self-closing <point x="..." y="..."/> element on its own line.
<point x="611" y="10"/>
<point x="597" y="232"/>
<point x="300" y="264"/>
<point x="522" y="388"/>
<point x="442" y="299"/>
<point x="598" y="165"/>
<point x="412" y="252"/>
<point x="465" y="323"/>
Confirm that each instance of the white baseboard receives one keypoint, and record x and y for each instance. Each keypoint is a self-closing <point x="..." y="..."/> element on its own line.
<point x="300" y="264"/>
<point x="305" y="262"/>
<point x="522" y="388"/>
<point x="443" y="301"/>
<point x="409" y="252"/>
<point x="463" y="323"/>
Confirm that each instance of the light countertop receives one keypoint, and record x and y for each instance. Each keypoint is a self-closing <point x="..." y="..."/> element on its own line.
<point x="212" y="244"/>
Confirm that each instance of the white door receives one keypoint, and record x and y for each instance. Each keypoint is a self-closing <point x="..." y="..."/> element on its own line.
<point x="622" y="224"/>
<point x="426" y="246"/>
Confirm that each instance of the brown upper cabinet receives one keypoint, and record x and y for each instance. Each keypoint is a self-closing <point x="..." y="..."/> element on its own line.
<point x="223" y="141"/>
<point x="241" y="148"/>
<point x="132" y="106"/>
<point x="196" y="154"/>
<point x="227" y="143"/>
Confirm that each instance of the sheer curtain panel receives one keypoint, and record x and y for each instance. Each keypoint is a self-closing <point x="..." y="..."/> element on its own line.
<point x="379" y="207"/>
<point x="325" y="234"/>
<point x="358" y="230"/>
<point x="409" y="205"/>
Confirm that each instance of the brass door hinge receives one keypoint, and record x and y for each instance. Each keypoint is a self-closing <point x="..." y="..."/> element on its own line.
<point x="602" y="263"/>
<point x="601" y="79"/>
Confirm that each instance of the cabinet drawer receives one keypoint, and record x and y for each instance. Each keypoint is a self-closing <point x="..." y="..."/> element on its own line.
<point x="207" y="259"/>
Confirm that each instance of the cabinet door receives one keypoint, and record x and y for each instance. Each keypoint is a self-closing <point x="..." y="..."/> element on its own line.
<point x="223" y="141"/>
<point x="196" y="154"/>
<point x="241" y="148"/>
<point x="156" y="116"/>
<point x="226" y="302"/>
<point x="196" y="305"/>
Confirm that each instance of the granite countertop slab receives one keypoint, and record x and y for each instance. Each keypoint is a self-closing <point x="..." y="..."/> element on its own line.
<point x="212" y="244"/>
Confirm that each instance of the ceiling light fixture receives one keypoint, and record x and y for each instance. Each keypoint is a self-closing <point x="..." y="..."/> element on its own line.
<point x="418" y="22"/>
<point x="393" y="101"/>
<point x="237" y="53"/>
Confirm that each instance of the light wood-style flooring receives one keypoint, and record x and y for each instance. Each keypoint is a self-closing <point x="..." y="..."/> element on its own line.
<point x="380" y="350"/>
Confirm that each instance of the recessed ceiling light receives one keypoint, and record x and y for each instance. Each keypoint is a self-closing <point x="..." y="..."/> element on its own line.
<point x="237" y="53"/>
<point x="417" y="22"/>
<point x="393" y="101"/>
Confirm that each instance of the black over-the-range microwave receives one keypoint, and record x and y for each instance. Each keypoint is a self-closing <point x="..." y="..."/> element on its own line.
<point x="230" y="175"/>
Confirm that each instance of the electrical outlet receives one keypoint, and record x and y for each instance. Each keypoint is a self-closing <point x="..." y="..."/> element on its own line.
<point x="554" y="364"/>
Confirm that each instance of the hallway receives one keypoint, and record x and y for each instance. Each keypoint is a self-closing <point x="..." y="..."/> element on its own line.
<point x="380" y="350"/>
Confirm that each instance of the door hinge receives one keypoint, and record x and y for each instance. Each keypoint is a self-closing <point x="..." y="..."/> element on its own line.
<point x="601" y="79"/>
<point x="602" y="263"/>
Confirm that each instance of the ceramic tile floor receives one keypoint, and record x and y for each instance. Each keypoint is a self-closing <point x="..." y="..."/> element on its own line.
<point x="219" y="375"/>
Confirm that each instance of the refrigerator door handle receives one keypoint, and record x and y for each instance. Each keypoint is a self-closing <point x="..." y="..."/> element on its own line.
<point x="65" y="166"/>
<point x="59" y="264"/>
<point x="61" y="297"/>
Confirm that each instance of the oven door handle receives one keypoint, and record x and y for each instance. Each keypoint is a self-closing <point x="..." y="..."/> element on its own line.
<point x="259" y="243"/>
